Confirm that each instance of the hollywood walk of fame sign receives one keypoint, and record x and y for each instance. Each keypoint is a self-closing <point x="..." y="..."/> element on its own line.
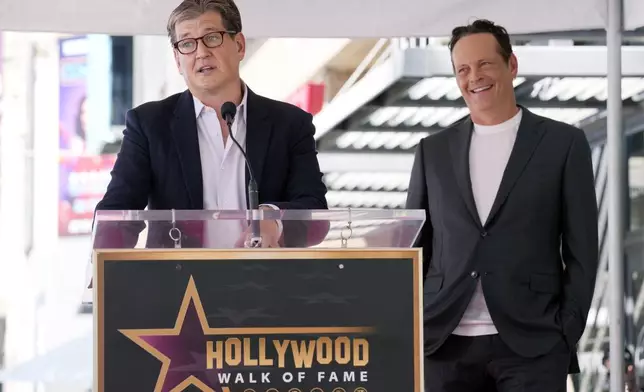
<point x="239" y="321"/>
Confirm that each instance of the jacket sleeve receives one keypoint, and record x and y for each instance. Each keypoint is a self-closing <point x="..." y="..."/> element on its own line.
<point x="579" y="238"/>
<point x="305" y="188"/>
<point x="417" y="199"/>
<point x="128" y="189"/>
<point x="131" y="176"/>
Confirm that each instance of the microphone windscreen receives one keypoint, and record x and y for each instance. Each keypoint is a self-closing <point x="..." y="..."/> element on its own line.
<point x="228" y="110"/>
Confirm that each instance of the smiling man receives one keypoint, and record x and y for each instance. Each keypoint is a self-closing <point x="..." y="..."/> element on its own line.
<point x="177" y="153"/>
<point x="510" y="243"/>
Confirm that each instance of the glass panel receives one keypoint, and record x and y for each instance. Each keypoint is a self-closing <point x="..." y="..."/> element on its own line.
<point x="351" y="228"/>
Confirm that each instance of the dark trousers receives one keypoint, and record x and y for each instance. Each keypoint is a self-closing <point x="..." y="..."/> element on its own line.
<point x="486" y="364"/>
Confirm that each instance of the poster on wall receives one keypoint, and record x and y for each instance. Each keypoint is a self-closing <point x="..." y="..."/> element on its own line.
<point x="73" y="95"/>
<point x="83" y="173"/>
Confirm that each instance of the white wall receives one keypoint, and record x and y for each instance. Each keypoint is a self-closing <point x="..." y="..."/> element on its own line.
<point x="281" y="65"/>
<point x="16" y="285"/>
<point x="155" y="73"/>
<point x="40" y="294"/>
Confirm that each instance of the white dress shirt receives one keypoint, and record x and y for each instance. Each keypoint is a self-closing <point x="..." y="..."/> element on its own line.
<point x="223" y="174"/>
<point x="223" y="171"/>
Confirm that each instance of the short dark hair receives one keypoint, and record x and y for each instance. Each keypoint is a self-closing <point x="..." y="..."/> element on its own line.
<point x="484" y="26"/>
<point x="192" y="9"/>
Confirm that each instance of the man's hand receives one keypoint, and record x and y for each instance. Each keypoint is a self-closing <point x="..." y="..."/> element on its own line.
<point x="270" y="231"/>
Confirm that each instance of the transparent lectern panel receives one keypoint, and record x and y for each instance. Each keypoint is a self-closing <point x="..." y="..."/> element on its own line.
<point x="335" y="228"/>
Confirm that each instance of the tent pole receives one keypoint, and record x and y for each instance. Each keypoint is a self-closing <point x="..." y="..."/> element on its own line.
<point x="615" y="143"/>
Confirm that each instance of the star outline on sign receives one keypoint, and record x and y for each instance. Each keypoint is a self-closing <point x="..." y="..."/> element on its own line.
<point x="136" y="335"/>
<point x="192" y="295"/>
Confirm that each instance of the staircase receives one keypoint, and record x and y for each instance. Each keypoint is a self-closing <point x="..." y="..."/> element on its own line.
<point x="595" y="339"/>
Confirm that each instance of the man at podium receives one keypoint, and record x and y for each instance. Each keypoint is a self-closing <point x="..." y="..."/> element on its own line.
<point x="187" y="153"/>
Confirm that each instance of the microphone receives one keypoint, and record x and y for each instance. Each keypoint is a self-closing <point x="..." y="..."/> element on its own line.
<point x="228" y="112"/>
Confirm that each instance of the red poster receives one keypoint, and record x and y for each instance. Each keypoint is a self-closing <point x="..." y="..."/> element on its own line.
<point x="83" y="180"/>
<point x="309" y="97"/>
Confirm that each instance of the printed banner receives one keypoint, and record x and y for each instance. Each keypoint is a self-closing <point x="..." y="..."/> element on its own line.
<point x="239" y="321"/>
<point x="72" y="95"/>
<point x="82" y="182"/>
<point x="83" y="174"/>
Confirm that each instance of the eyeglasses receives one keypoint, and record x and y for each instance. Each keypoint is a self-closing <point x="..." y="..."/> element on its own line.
<point x="211" y="40"/>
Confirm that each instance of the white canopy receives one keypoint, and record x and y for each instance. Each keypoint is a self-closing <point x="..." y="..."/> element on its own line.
<point x="319" y="18"/>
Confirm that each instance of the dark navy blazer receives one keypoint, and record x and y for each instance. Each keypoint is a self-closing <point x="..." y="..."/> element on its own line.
<point x="159" y="164"/>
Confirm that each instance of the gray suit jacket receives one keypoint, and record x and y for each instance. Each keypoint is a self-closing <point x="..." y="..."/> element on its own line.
<point x="536" y="255"/>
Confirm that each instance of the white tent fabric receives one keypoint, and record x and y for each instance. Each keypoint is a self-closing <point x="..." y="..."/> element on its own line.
<point x="319" y="18"/>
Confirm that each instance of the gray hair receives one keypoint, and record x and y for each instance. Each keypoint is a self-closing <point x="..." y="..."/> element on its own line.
<point x="192" y="9"/>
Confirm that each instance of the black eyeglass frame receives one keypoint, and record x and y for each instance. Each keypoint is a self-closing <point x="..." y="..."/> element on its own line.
<point x="197" y="39"/>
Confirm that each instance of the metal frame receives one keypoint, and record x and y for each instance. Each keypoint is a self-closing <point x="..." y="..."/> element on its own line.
<point x="339" y="162"/>
<point x="616" y="145"/>
<point x="535" y="61"/>
<point x="410" y="64"/>
<point x="376" y="81"/>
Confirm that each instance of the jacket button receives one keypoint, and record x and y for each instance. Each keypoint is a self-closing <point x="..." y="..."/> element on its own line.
<point x="474" y="274"/>
<point x="484" y="234"/>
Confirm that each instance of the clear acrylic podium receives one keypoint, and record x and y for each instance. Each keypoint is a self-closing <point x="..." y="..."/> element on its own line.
<point x="180" y="300"/>
<point x="343" y="228"/>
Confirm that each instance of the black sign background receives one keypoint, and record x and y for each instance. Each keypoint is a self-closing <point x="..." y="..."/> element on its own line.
<point x="332" y="292"/>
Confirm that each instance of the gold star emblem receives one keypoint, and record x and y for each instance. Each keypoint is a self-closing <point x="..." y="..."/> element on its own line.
<point x="180" y="348"/>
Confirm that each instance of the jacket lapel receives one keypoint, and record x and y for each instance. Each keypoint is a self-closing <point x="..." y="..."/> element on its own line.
<point x="184" y="132"/>
<point x="460" y="153"/>
<point x="528" y="138"/>
<point x="258" y="135"/>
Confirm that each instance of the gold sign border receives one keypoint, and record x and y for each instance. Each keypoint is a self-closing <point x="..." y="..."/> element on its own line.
<point x="101" y="256"/>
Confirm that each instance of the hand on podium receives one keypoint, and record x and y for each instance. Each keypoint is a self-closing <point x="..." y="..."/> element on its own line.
<point x="270" y="232"/>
